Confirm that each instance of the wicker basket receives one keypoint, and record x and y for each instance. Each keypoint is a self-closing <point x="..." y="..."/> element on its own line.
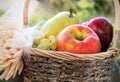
<point x="56" y="66"/>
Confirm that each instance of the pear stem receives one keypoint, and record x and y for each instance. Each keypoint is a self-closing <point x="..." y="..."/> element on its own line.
<point x="25" y="13"/>
<point x="71" y="13"/>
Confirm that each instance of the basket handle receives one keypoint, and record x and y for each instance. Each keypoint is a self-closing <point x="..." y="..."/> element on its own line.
<point x="25" y="13"/>
<point x="117" y="22"/>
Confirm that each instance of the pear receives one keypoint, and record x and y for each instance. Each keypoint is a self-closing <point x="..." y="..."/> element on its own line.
<point x="56" y="24"/>
<point x="36" y="29"/>
<point x="39" y="25"/>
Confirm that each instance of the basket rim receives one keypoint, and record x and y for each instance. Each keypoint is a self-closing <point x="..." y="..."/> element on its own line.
<point x="71" y="56"/>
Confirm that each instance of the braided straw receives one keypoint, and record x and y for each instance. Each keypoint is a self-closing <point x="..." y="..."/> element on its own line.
<point x="71" y="56"/>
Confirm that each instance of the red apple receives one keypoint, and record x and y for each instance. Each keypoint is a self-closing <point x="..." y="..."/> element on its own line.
<point x="103" y="29"/>
<point x="78" y="39"/>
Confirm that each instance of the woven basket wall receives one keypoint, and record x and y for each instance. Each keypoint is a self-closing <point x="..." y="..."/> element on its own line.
<point x="55" y="66"/>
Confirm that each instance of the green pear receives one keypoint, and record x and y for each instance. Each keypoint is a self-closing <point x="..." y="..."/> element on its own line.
<point x="36" y="30"/>
<point x="56" y="24"/>
<point x="39" y="25"/>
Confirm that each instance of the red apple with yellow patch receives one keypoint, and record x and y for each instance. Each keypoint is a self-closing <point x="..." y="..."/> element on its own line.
<point x="78" y="39"/>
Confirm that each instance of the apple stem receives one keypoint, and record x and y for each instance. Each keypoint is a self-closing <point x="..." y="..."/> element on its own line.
<point x="71" y="13"/>
<point x="81" y="38"/>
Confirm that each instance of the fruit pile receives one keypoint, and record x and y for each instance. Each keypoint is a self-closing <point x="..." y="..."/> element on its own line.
<point x="63" y="32"/>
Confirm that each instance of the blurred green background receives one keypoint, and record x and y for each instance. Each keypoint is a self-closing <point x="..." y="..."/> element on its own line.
<point x="85" y="9"/>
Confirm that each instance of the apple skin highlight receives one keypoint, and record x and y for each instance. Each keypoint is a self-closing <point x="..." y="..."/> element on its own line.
<point x="70" y="40"/>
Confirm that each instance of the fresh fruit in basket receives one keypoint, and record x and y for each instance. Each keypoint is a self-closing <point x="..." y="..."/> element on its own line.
<point x="42" y="47"/>
<point x="44" y="44"/>
<point x="38" y="27"/>
<point x="78" y="39"/>
<point x="48" y="44"/>
<point x="57" y="23"/>
<point x="53" y="44"/>
<point x="103" y="29"/>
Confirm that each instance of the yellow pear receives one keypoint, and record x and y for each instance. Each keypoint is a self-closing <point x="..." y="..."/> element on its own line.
<point x="56" y="24"/>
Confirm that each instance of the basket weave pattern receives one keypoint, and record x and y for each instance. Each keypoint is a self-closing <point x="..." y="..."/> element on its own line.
<point x="43" y="69"/>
